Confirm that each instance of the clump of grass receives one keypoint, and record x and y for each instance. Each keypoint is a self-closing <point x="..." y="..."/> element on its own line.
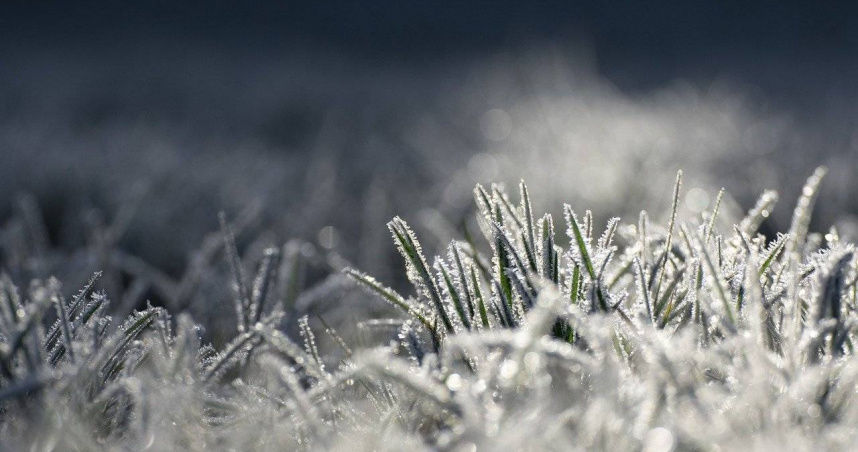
<point x="670" y="326"/>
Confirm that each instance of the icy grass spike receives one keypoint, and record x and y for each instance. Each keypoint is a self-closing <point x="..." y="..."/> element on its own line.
<point x="418" y="272"/>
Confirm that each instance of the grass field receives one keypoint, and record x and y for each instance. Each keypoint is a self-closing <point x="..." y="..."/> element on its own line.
<point x="688" y="330"/>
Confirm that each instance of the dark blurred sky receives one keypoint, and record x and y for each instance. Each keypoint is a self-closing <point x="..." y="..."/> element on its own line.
<point x="637" y="43"/>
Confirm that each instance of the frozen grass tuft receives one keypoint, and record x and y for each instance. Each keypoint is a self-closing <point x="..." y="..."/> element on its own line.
<point x="663" y="334"/>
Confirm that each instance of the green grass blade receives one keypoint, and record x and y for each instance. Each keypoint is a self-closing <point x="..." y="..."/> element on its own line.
<point x="668" y="241"/>
<point x="389" y="295"/>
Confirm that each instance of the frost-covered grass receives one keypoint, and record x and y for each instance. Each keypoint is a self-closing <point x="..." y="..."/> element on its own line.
<point x="679" y="333"/>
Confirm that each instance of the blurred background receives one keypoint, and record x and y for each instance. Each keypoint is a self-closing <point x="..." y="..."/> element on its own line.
<point x="129" y="125"/>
